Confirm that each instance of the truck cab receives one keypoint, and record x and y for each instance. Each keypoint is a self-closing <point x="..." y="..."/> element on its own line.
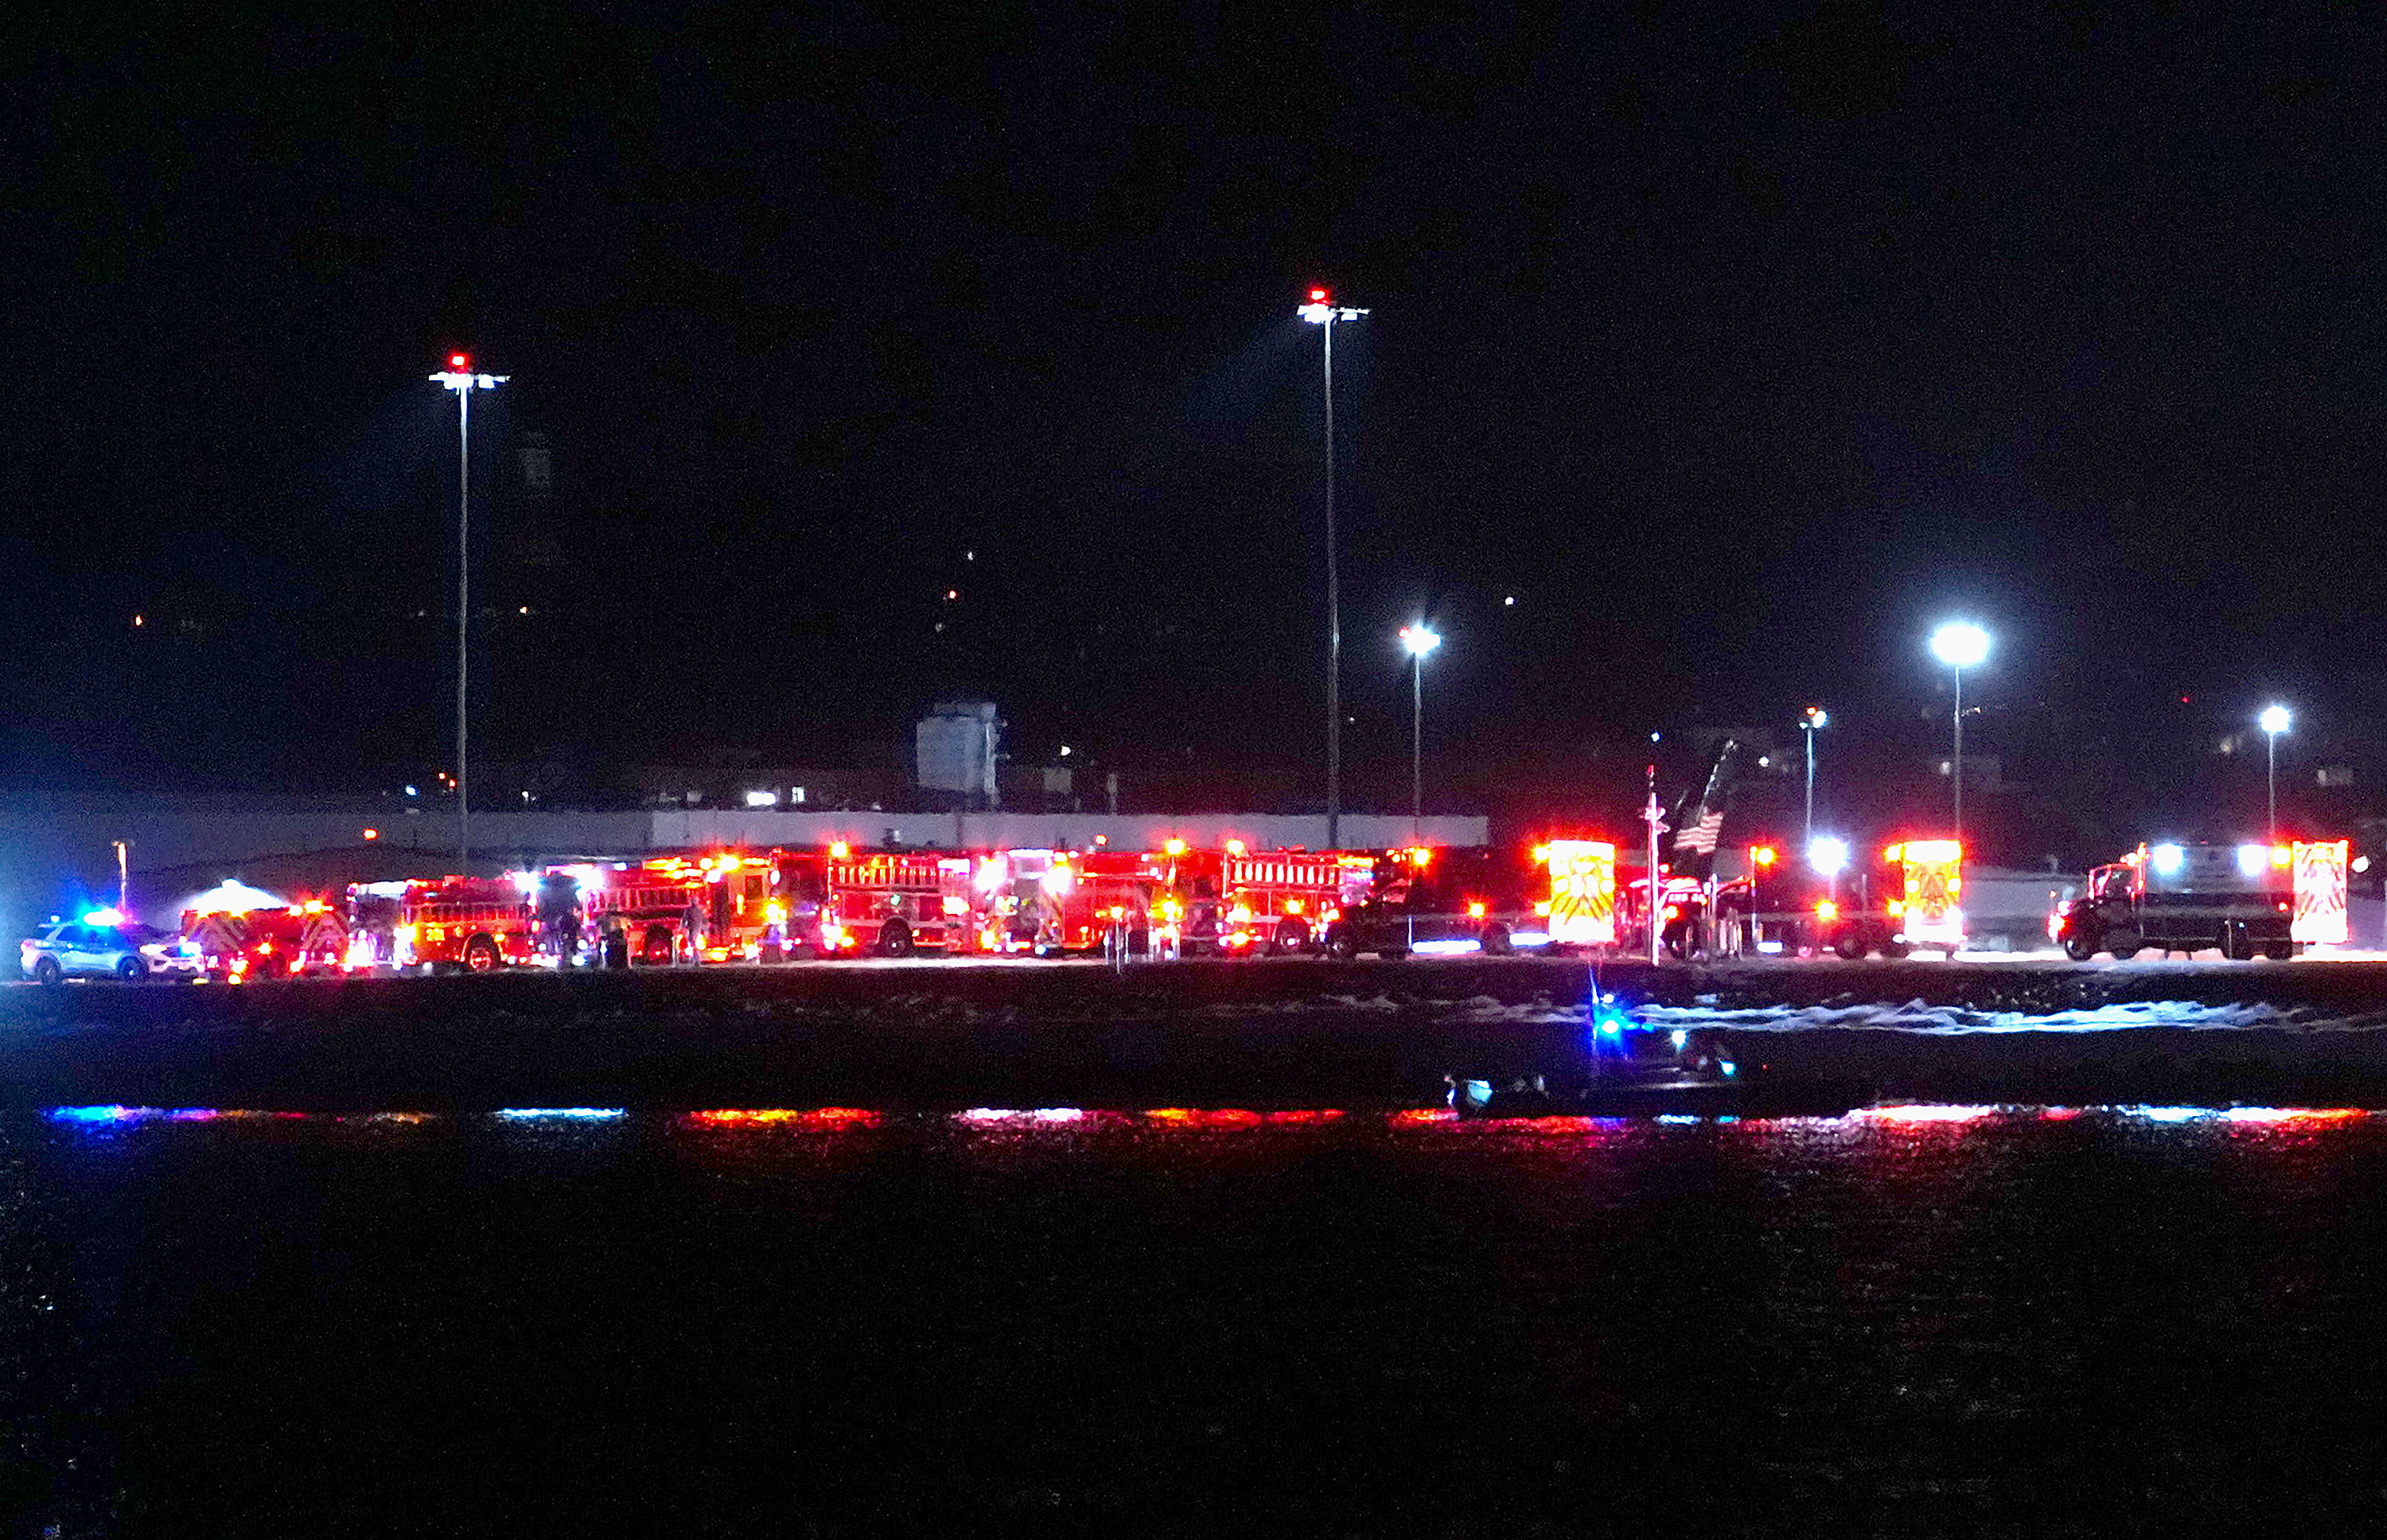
<point x="1436" y="901"/>
<point x="2184" y="897"/>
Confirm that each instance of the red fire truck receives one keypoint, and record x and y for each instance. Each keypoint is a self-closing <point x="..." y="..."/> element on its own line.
<point x="477" y="924"/>
<point x="840" y="902"/>
<point x="1239" y="902"/>
<point x="1084" y="901"/>
<point x="270" y="942"/>
<point x="652" y="912"/>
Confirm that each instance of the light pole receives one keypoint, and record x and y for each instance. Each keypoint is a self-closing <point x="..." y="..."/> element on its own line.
<point x="1419" y="641"/>
<point x="1960" y="645"/>
<point x="2274" y="721"/>
<point x="1320" y="312"/>
<point x="459" y="378"/>
<point x="1817" y="716"/>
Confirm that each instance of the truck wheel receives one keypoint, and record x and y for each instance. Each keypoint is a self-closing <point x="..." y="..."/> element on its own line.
<point x="2079" y="945"/>
<point x="1292" y="936"/>
<point x="1496" y="941"/>
<point x="1341" y="943"/>
<point x="1893" y="950"/>
<point x="895" y="940"/>
<point x="2124" y="944"/>
<point x="1851" y="945"/>
<point x="46" y="971"/>
<point x="2278" y="950"/>
<point x="655" y="947"/>
<point x="1394" y="954"/>
<point x="130" y="968"/>
<point x="481" y="955"/>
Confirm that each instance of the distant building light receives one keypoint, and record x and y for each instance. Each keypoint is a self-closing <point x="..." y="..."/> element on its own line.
<point x="373" y="834"/>
<point x="796" y="795"/>
<point x="762" y="799"/>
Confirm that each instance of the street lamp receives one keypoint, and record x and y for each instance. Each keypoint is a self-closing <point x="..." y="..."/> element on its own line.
<point x="1321" y="311"/>
<point x="2274" y="721"/>
<point x="1960" y="645"/>
<point x="1419" y="641"/>
<point x="1817" y="716"/>
<point x="459" y="378"/>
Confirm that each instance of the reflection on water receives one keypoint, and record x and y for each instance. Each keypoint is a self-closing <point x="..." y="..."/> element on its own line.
<point x="1236" y="1118"/>
<point x="1058" y="1320"/>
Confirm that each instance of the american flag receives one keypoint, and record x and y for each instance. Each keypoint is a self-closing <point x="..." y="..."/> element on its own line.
<point x="1700" y="837"/>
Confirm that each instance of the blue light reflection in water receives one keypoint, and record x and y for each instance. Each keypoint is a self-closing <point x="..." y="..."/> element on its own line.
<point x="563" y="1115"/>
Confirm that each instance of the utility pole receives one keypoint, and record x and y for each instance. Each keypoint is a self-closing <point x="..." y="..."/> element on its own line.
<point x="1655" y="816"/>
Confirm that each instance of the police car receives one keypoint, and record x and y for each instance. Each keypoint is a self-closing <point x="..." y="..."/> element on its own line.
<point x="103" y="943"/>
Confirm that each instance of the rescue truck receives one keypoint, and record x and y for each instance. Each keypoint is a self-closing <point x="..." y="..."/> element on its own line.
<point x="2241" y="900"/>
<point x="891" y="903"/>
<point x="1912" y="897"/>
<point x="1438" y="900"/>
<point x="1238" y="903"/>
<point x="268" y="943"/>
<point x="1091" y="901"/>
<point x="652" y="912"/>
<point x="477" y="924"/>
<point x="1581" y="909"/>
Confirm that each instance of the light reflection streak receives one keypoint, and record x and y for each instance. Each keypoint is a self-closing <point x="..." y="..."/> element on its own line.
<point x="802" y="1118"/>
<point x="2292" y="1114"/>
<point x="563" y="1115"/>
<point x="1203" y="1118"/>
<point x="1922" y="1112"/>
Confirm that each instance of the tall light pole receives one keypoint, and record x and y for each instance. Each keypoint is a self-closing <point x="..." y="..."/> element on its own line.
<point x="1419" y="640"/>
<point x="1817" y="716"/>
<point x="459" y="378"/>
<point x="2274" y="721"/>
<point x="1960" y="645"/>
<point x="1321" y="311"/>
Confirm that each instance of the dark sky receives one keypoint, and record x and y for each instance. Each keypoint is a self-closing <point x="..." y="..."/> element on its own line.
<point x="1735" y="348"/>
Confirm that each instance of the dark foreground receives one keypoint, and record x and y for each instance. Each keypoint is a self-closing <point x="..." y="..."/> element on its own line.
<point x="1190" y="1325"/>
<point x="1295" y="1034"/>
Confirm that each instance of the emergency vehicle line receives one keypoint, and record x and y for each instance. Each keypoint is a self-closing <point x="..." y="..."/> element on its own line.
<point x="1181" y="901"/>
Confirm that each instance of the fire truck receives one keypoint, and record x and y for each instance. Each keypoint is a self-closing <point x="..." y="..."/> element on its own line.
<point x="2242" y="898"/>
<point x="1438" y="900"/>
<point x="1912" y="897"/>
<point x="477" y="924"/>
<point x="650" y="913"/>
<point x="1236" y="902"/>
<point x="270" y="942"/>
<point x="891" y="903"/>
<point x="1090" y="900"/>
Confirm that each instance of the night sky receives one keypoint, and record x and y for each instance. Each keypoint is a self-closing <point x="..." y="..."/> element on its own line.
<point x="1737" y="348"/>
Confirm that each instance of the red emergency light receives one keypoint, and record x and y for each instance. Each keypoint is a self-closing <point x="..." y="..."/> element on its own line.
<point x="1318" y="296"/>
<point x="460" y="362"/>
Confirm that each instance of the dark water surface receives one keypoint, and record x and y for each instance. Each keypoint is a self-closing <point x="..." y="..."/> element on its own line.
<point x="2110" y="1321"/>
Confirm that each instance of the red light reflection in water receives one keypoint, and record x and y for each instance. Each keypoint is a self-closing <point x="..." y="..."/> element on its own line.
<point x="1914" y="1116"/>
<point x="796" y="1117"/>
<point x="1203" y="1118"/>
<point x="2275" y="1115"/>
<point x="1418" y="1116"/>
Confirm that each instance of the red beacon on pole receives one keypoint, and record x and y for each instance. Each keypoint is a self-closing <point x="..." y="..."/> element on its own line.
<point x="460" y="362"/>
